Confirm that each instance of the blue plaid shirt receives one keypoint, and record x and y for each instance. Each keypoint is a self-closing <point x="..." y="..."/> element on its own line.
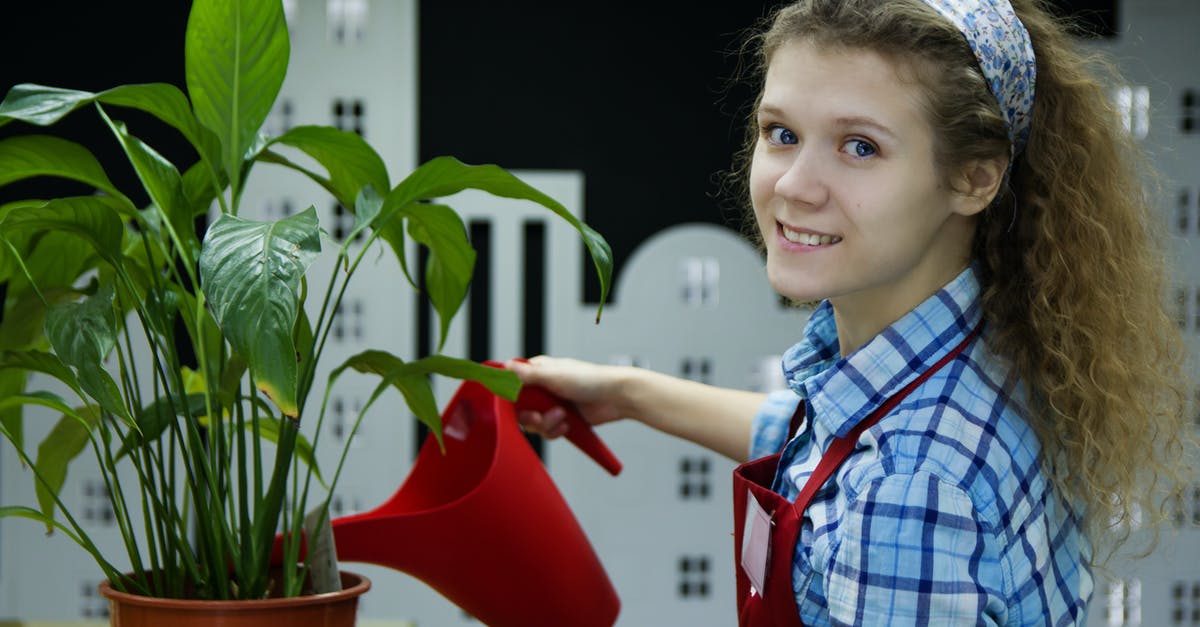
<point x="943" y="514"/>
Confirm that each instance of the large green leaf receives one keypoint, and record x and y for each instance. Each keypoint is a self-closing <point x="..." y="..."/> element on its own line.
<point x="27" y="156"/>
<point x="411" y="381"/>
<point x="167" y="103"/>
<point x="39" y="361"/>
<point x="63" y="444"/>
<point x="83" y="334"/>
<point x="55" y="261"/>
<point x="163" y="184"/>
<point x="94" y="219"/>
<point x="236" y="55"/>
<point x="250" y="273"/>
<point x="44" y="106"/>
<point x="350" y="161"/>
<point x="41" y="105"/>
<point x="445" y="176"/>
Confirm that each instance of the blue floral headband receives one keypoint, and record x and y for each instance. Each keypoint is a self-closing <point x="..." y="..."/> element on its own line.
<point x="1005" y="54"/>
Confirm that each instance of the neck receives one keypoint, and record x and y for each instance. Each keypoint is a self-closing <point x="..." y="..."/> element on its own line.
<point x="860" y="318"/>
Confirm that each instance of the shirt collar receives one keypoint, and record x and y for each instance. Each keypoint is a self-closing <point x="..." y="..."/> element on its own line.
<point x="844" y="390"/>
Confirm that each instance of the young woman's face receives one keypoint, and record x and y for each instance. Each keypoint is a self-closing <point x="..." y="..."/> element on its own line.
<point x="846" y="194"/>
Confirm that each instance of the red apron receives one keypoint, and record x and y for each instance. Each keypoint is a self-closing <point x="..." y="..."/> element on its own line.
<point x="783" y="530"/>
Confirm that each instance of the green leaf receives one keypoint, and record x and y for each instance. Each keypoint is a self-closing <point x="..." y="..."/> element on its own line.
<point x="12" y="384"/>
<point x="250" y="273"/>
<point x="163" y="184"/>
<point x="444" y="176"/>
<point x="366" y="206"/>
<point x="83" y="334"/>
<point x="39" y="397"/>
<point x="350" y="161"/>
<point x="501" y="382"/>
<point x="195" y="321"/>
<point x="19" y="511"/>
<point x="236" y="55"/>
<point x="27" y="156"/>
<point x="56" y="261"/>
<point x="167" y="103"/>
<point x="45" y="106"/>
<point x="94" y="219"/>
<point x="411" y="381"/>
<point x="41" y="105"/>
<point x="198" y="188"/>
<point x="39" y="361"/>
<point x="25" y="318"/>
<point x="451" y="262"/>
<point x="64" y="443"/>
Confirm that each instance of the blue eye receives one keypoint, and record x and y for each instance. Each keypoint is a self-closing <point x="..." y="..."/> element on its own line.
<point x="781" y="135"/>
<point x="860" y="148"/>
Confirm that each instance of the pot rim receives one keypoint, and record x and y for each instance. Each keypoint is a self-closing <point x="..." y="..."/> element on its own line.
<point x="355" y="589"/>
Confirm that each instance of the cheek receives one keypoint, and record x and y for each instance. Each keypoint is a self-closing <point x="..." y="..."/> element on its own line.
<point x="762" y="186"/>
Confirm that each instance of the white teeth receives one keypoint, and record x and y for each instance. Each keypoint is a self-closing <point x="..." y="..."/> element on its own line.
<point x="809" y="239"/>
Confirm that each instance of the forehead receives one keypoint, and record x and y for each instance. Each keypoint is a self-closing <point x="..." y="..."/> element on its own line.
<point x="807" y="81"/>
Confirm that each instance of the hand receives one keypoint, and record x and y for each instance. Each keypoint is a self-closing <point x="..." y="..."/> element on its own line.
<point x="594" y="389"/>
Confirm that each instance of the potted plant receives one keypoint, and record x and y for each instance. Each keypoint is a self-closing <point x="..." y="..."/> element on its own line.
<point x="180" y="328"/>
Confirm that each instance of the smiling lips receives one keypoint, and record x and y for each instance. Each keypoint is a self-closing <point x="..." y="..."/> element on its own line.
<point x="806" y="238"/>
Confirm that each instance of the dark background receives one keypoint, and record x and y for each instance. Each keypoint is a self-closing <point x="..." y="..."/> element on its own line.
<point x="636" y="95"/>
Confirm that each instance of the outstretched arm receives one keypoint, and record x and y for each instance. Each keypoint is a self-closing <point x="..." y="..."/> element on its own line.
<point x="714" y="417"/>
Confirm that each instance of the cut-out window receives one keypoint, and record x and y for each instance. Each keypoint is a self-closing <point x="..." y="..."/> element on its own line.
<point x="701" y="277"/>
<point x="694" y="577"/>
<point x="695" y="478"/>
<point x="1189" y="113"/>
<point x="1123" y="603"/>
<point x="97" y="507"/>
<point x="91" y="604"/>
<point x="1133" y="105"/>
<point x="696" y="369"/>
<point x="349" y="115"/>
<point x="1185" y="603"/>
<point x="346" y="20"/>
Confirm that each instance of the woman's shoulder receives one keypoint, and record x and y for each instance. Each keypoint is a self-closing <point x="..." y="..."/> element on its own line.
<point x="969" y="429"/>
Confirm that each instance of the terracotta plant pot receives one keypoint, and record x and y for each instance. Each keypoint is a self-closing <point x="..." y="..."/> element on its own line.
<point x="333" y="609"/>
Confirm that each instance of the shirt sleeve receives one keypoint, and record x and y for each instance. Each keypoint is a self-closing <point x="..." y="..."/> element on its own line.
<point x="769" y="431"/>
<point x="912" y="551"/>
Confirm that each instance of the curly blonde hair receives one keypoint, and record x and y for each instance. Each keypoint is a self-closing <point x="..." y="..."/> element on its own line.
<point x="1073" y="279"/>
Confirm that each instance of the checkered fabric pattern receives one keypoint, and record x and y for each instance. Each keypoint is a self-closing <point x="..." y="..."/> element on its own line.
<point x="943" y="514"/>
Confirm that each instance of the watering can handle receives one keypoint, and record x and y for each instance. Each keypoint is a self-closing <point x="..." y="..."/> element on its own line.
<point x="579" y="431"/>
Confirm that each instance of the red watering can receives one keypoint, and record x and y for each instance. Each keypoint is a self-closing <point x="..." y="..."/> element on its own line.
<point x="483" y="523"/>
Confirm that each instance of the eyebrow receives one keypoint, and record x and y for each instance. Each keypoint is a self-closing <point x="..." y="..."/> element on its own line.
<point x="865" y="121"/>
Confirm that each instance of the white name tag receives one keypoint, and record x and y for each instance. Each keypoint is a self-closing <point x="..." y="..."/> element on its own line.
<point x="756" y="543"/>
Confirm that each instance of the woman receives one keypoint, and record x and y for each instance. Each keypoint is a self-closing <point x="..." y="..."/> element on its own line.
<point x="989" y="350"/>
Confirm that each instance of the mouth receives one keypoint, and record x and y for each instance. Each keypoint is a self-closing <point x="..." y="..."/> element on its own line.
<point x="807" y="238"/>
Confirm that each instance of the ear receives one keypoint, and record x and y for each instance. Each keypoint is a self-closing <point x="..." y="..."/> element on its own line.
<point x="977" y="184"/>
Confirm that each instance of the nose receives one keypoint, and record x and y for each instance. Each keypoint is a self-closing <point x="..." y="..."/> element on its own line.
<point x="802" y="179"/>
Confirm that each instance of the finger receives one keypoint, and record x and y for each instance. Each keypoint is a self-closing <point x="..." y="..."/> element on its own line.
<point x="558" y="430"/>
<point x="531" y="420"/>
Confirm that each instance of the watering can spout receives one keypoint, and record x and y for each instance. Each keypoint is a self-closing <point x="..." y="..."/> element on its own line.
<point x="485" y="526"/>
